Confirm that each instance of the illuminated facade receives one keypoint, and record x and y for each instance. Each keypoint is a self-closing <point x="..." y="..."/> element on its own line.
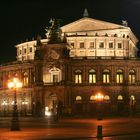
<point x="92" y="57"/>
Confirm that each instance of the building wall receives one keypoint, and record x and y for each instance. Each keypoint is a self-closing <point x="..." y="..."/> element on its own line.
<point x="127" y="48"/>
<point x="66" y="90"/>
<point x="69" y="83"/>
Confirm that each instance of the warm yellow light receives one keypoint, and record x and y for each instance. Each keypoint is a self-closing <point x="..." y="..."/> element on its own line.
<point x="12" y="103"/>
<point x="10" y="85"/>
<point x="24" y="102"/>
<point x="4" y="103"/>
<point x="99" y="97"/>
<point x="47" y="112"/>
<point x="15" y="84"/>
<point x="18" y="85"/>
<point x="15" y="80"/>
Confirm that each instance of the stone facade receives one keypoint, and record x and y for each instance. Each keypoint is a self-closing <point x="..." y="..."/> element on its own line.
<point x="96" y="57"/>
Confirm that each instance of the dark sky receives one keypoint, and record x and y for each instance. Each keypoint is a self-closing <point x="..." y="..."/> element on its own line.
<point x="21" y="20"/>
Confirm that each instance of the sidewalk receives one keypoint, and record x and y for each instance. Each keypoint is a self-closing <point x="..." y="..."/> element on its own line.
<point x="71" y="129"/>
<point x="27" y="134"/>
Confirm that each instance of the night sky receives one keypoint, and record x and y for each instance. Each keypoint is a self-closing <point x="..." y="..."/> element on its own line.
<point x="22" y="20"/>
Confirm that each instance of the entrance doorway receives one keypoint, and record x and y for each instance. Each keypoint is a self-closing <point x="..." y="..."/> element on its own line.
<point x="51" y="102"/>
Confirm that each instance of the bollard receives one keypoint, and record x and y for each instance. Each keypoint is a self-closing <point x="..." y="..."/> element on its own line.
<point x="99" y="131"/>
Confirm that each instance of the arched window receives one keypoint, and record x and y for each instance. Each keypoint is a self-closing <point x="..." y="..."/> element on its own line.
<point x="119" y="76"/>
<point x="92" y="76"/>
<point x="120" y="98"/>
<point x="78" y="76"/>
<point x="25" y="79"/>
<point x="92" y="98"/>
<point x="132" y="97"/>
<point x="78" y="98"/>
<point x="55" y="75"/>
<point x="46" y="75"/>
<point x="132" y="77"/>
<point x="132" y="100"/>
<point x="106" y="76"/>
<point x="106" y="98"/>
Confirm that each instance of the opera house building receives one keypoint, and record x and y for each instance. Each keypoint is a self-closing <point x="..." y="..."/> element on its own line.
<point x="81" y="68"/>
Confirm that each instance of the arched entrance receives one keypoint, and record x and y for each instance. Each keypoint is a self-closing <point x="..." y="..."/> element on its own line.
<point x="78" y="105"/>
<point x="132" y="103"/>
<point x="51" y="102"/>
<point x="120" y="102"/>
<point x="107" y="105"/>
<point x="53" y="105"/>
<point x="99" y="103"/>
<point x="92" y="105"/>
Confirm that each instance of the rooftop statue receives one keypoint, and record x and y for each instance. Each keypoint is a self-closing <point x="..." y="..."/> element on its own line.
<point x="54" y="31"/>
<point x="37" y="51"/>
<point x="85" y="14"/>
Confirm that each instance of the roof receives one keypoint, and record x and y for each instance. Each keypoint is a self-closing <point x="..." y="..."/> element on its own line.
<point x="89" y="24"/>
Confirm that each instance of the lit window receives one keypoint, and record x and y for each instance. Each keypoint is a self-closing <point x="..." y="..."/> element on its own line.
<point x="132" y="77"/>
<point x="106" y="98"/>
<point x="119" y="45"/>
<point x="110" y="45"/>
<point x="101" y="45"/>
<point x="92" y="98"/>
<point x="82" y="45"/>
<point x="78" y="76"/>
<point x="91" y="45"/>
<point x="119" y="77"/>
<point x="55" y="75"/>
<point x="20" y="51"/>
<point x="132" y="97"/>
<point x="25" y="79"/>
<point x="120" y="98"/>
<point x="24" y="50"/>
<point x="92" y="76"/>
<point x="132" y="100"/>
<point x="78" y="98"/>
<point x="106" y="76"/>
<point x="30" y="49"/>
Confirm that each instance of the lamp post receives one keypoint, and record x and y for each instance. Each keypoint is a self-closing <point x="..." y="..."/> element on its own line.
<point x="99" y="99"/>
<point x="15" y="84"/>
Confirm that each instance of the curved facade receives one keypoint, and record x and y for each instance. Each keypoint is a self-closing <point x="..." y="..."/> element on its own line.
<point x="95" y="69"/>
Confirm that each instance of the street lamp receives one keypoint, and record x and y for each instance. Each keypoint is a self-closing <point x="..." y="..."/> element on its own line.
<point x="99" y="98"/>
<point x="15" y="84"/>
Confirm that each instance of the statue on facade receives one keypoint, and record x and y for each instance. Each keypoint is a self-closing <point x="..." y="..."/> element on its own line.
<point x="124" y="23"/>
<point x="54" y="32"/>
<point x="85" y="14"/>
<point x="37" y="51"/>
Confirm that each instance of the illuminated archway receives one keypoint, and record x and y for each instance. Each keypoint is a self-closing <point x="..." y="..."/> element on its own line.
<point x="120" y="97"/>
<point x="78" y="98"/>
<point x="106" y="98"/>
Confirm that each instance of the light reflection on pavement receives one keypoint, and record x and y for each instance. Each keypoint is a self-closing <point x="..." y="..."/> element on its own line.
<point x="71" y="128"/>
